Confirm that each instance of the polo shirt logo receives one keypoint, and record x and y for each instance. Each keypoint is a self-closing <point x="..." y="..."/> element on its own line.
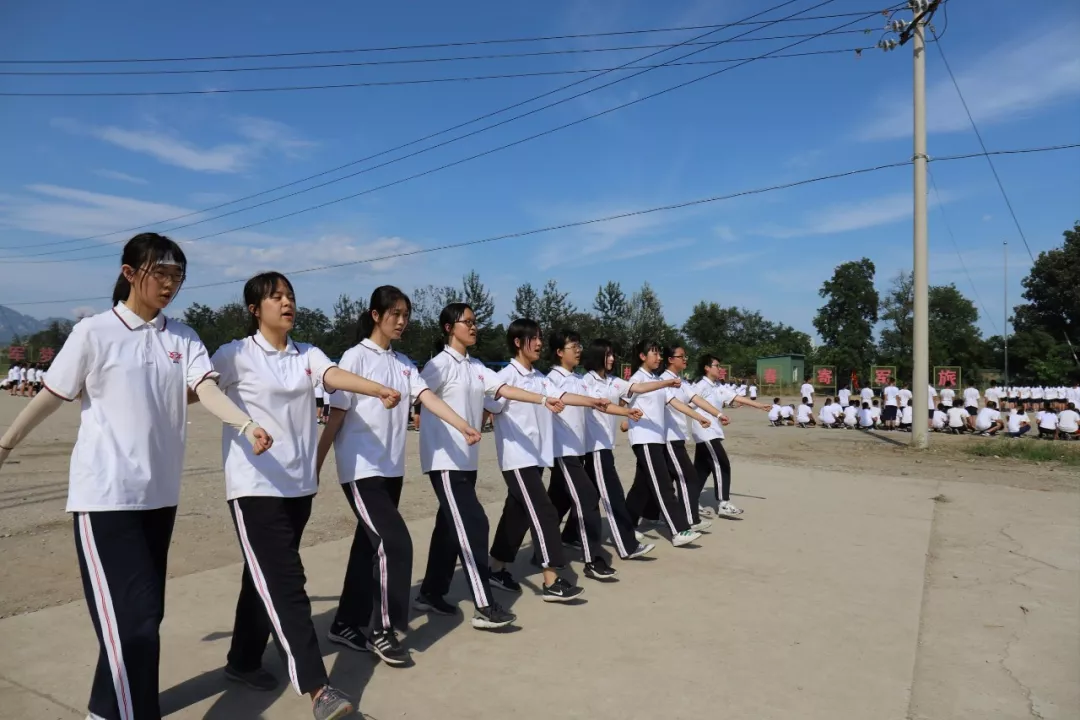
<point x="307" y="370"/>
<point x="175" y="356"/>
<point x="406" y="373"/>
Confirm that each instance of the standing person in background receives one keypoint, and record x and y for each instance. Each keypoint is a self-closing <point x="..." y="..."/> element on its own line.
<point x="320" y="403"/>
<point x="450" y="461"/>
<point x="807" y="392"/>
<point x="133" y="369"/>
<point x="947" y="394"/>
<point x="844" y="396"/>
<point x="905" y="394"/>
<point x="270" y="496"/>
<point x="866" y="394"/>
<point x="971" y="399"/>
<point x="931" y="400"/>
<point x="524" y="439"/>
<point x="753" y="389"/>
<point x="891" y="394"/>
<point x="369" y="447"/>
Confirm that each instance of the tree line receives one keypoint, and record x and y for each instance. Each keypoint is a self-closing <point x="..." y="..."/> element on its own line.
<point x="859" y="326"/>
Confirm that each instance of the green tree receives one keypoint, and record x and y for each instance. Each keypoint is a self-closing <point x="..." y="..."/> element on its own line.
<point x="740" y="336"/>
<point x="846" y="321"/>
<point x="646" y="318"/>
<point x="311" y="326"/>
<point x="343" y="326"/>
<point x="612" y="312"/>
<point x="479" y="298"/>
<point x="555" y="309"/>
<point x="898" y="314"/>
<point x="526" y="303"/>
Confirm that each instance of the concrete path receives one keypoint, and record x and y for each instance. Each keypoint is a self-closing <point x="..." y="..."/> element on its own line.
<point x="808" y="608"/>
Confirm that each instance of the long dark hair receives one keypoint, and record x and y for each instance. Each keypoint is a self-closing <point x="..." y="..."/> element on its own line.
<point x="147" y="250"/>
<point x="258" y="289"/>
<point x="383" y="299"/>
<point x="449" y="317"/>
<point x="594" y="359"/>
<point x="521" y="329"/>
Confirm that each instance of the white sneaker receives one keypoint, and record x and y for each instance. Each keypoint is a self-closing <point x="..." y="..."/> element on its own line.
<point x="727" y="508"/>
<point x="704" y="511"/>
<point x="685" y="538"/>
<point x="640" y="537"/>
<point x="701" y="525"/>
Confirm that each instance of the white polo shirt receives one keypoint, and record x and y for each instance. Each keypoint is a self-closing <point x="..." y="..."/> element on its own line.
<point x="675" y="421"/>
<point x="906" y="415"/>
<point x="957" y="416"/>
<point x="939" y="420"/>
<point x="931" y="393"/>
<point x="1039" y="393"/>
<point x="1069" y="421"/>
<point x="523" y="431"/>
<point x="866" y="418"/>
<point x="851" y="415"/>
<point x="1049" y="420"/>
<point x="986" y="418"/>
<point x="891" y="392"/>
<point x="716" y="396"/>
<point x="371" y="441"/>
<point x="807" y="391"/>
<point x="948" y="395"/>
<point x="774" y="413"/>
<point x="462" y="382"/>
<point x="828" y="414"/>
<point x="1016" y="418"/>
<point x="134" y="377"/>
<point x="786" y="412"/>
<point x="277" y="389"/>
<point x="569" y="425"/>
<point x="845" y="397"/>
<point x="905" y="396"/>
<point x="600" y="427"/>
<point x="803" y="414"/>
<point x="971" y="397"/>
<point x="866" y="394"/>
<point x="651" y="428"/>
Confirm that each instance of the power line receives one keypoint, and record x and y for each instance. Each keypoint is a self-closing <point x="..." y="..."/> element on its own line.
<point x="438" y="145"/>
<point x="426" y="46"/>
<point x="420" y="81"/>
<point x="997" y="179"/>
<point x="592" y="221"/>
<point x="959" y="256"/>
<point x="400" y="61"/>
<point x="403" y="145"/>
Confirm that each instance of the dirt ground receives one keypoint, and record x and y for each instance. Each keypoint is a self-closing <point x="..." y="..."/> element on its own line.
<point x="40" y="568"/>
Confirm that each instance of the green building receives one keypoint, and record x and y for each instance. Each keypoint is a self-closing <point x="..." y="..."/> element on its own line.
<point x="781" y="370"/>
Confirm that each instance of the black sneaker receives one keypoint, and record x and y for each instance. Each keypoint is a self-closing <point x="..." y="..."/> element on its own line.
<point x="255" y="679"/>
<point x="492" y="617"/>
<point x="437" y="605"/>
<point x="561" y="591"/>
<point x="332" y="704"/>
<point x="598" y="569"/>
<point x="503" y="580"/>
<point x="572" y="544"/>
<point x="384" y="643"/>
<point x="350" y="637"/>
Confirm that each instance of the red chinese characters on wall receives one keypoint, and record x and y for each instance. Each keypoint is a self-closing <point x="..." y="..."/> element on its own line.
<point x="946" y="375"/>
<point x="770" y="376"/>
<point x="824" y="376"/>
<point x="882" y="375"/>
<point x="46" y="354"/>
<point x="17" y="352"/>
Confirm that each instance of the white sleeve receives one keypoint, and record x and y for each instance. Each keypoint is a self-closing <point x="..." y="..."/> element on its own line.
<point x="224" y="362"/>
<point x="343" y="400"/>
<point x="318" y="364"/>
<point x="492" y="381"/>
<point x="67" y="376"/>
<point x="199" y="367"/>
<point x="417" y="384"/>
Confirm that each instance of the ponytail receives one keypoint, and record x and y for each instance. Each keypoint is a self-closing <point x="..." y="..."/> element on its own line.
<point x="383" y="299"/>
<point x="146" y="250"/>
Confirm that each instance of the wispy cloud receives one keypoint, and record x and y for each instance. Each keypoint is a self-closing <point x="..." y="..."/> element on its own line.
<point x="847" y="217"/>
<point x="123" y="177"/>
<point x="1016" y="79"/>
<point x="595" y="241"/>
<point x="70" y="212"/>
<point x="728" y="260"/>
<point x="258" y="137"/>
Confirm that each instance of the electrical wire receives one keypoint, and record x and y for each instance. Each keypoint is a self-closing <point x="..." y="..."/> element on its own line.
<point x="403" y="146"/>
<point x="428" y="46"/>
<point x="591" y="221"/>
<point x="427" y="149"/>
<point x="405" y="61"/>
<point x="421" y="81"/>
<point x="959" y="256"/>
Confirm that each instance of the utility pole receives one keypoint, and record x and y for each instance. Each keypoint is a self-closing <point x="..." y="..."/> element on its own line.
<point x="920" y="381"/>
<point x="1006" y="293"/>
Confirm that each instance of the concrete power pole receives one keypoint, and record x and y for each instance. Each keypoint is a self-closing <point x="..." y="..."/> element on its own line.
<point x="920" y="381"/>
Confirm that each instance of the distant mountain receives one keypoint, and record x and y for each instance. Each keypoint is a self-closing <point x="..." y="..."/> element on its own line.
<point x="14" y="323"/>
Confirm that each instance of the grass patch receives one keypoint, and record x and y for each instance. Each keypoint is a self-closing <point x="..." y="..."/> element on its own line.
<point x="1029" y="450"/>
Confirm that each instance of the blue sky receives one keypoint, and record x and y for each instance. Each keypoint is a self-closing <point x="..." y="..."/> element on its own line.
<point x="74" y="167"/>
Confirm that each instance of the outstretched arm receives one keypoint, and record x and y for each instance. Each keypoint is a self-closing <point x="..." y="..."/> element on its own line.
<point x="438" y="407"/>
<point x="337" y="379"/>
<point x="689" y="412"/>
<point x="510" y="392"/>
<point x="740" y="400"/>
<point x="225" y="410"/>
<point x="42" y="406"/>
<point x="585" y="401"/>
<point x="648" y="387"/>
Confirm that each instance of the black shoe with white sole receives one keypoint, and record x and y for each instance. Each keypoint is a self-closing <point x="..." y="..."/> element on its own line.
<point x="598" y="569"/>
<point x="561" y="591"/>
<point x="434" y="604"/>
<point x="257" y="679"/>
<point x="492" y="617"/>
<point x="503" y="580"/>
<point x="351" y="637"/>
<point x="384" y="643"/>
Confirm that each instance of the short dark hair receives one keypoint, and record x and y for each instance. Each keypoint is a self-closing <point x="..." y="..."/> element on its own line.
<point x="383" y="299"/>
<point x="147" y="249"/>
<point x="705" y="361"/>
<point x="258" y="289"/>
<point x="521" y="330"/>
<point x="776" y="401"/>
<point x="449" y="316"/>
<point x="557" y="340"/>
<point x="595" y="356"/>
<point x="644" y="346"/>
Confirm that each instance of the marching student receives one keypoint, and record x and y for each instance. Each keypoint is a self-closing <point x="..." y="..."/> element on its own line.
<point x="450" y="461"/>
<point x="940" y="420"/>
<point x="599" y="361"/>
<point x="888" y="413"/>
<point x="805" y="416"/>
<point x="971" y="399"/>
<point x="844" y="396"/>
<point x="15" y="378"/>
<point x="851" y="416"/>
<point x="988" y="421"/>
<point x="866" y="418"/>
<point x="569" y="487"/>
<point x="270" y="496"/>
<point x="680" y="466"/>
<point x="1069" y="423"/>
<point x="1048" y="422"/>
<point x="524" y="440"/>
<point x="648" y="439"/>
<point x="710" y="458"/>
<point x="134" y="369"/>
<point x="807" y="392"/>
<point x="960" y="420"/>
<point x="1018" y="423"/>
<point x="369" y="447"/>
<point x="1025" y="397"/>
<point x="320" y="403"/>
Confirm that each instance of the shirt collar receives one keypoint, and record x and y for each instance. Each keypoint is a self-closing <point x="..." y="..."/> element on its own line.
<point x="372" y="345"/>
<point x="264" y="344"/>
<point x="519" y="367"/>
<point x="454" y="353"/>
<point x="668" y="374"/>
<point x="562" y="371"/>
<point x="134" y="322"/>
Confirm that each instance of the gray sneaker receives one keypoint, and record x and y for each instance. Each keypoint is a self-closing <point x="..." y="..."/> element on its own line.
<point x="332" y="704"/>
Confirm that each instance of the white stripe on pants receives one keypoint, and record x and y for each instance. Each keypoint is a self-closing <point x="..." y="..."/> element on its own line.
<point x="682" y="483"/>
<point x="601" y="486"/>
<point x="536" y="520"/>
<point x="586" y="550"/>
<point x="656" y="487"/>
<point x="384" y="599"/>
<point x="471" y="570"/>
